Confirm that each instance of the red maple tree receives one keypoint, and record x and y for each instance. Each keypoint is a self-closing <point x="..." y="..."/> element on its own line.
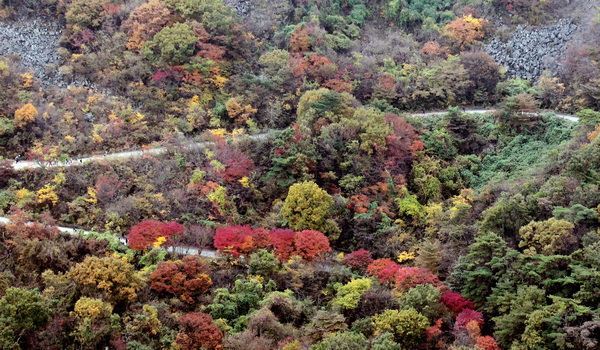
<point x="198" y="331"/>
<point x="187" y="278"/>
<point x="145" y="233"/>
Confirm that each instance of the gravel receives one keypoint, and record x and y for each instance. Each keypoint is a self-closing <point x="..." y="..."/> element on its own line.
<point x="531" y="50"/>
<point x="34" y="42"/>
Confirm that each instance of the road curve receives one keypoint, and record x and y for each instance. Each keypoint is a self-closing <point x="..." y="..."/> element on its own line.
<point x="26" y="165"/>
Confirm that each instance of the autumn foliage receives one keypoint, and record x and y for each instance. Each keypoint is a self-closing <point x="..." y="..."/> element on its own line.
<point x="238" y="240"/>
<point x="146" y="233"/>
<point x="384" y="269"/>
<point x="408" y="277"/>
<point x="456" y="302"/>
<point x="187" y="278"/>
<point x="358" y="259"/>
<point x="198" y="331"/>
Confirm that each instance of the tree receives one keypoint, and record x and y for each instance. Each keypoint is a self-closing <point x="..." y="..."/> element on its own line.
<point x="321" y="107"/>
<point x="245" y="296"/>
<point x="477" y="272"/>
<point x="109" y="278"/>
<point x="198" y="331"/>
<point x="358" y="259"/>
<point x="86" y="13"/>
<point x="21" y="311"/>
<point x="465" y="31"/>
<point x="146" y="233"/>
<point x="456" y="302"/>
<point x="484" y="74"/>
<point x="187" y="279"/>
<point x="349" y="295"/>
<point x="407" y="326"/>
<point x="310" y="244"/>
<point x="238" y="240"/>
<point x="308" y="207"/>
<point x="263" y="262"/>
<point x="174" y="44"/>
<point x="25" y="115"/>
<point x="409" y="277"/>
<point x="282" y="241"/>
<point x="547" y="237"/>
<point x="144" y="22"/>
<point x="424" y="298"/>
<point x="342" y="341"/>
<point x="384" y="269"/>
<point x="93" y="319"/>
<point x="214" y="15"/>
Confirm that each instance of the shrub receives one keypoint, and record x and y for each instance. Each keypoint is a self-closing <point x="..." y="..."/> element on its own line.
<point x="172" y="45"/>
<point x="384" y="269"/>
<point x="407" y="326"/>
<point x="149" y="232"/>
<point x="25" y="115"/>
<point x="359" y="259"/>
<point x="187" y="279"/>
<point x="310" y="244"/>
<point x="197" y="330"/>
<point x="349" y="295"/>
<point x="307" y="207"/>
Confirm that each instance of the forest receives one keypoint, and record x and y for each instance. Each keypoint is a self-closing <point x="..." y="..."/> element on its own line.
<point x="300" y="175"/>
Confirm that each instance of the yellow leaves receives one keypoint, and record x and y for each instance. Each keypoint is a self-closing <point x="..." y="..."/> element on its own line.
<point x="25" y="115"/>
<point x="594" y="134"/>
<point x="69" y="139"/>
<point x="219" y="81"/>
<point x="69" y="118"/>
<point x="96" y="130"/>
<point x="218" y="132"/>
<point x="465" y="30"/>
<point x="92" y="196"/>
<point x="59" y="179"/>
<point x="136" y="118"/>
<point x="405" y="256"/>
<point x="245" y="182"/>
<point x="4" y="68"/>
<point x="23" y="197"/>
<point x="159" y="242"/>
<point x="26" y="80"/>
<point x="47" y="195"/>
<point x="238" y="111"/>
<point x="91" y="308"/>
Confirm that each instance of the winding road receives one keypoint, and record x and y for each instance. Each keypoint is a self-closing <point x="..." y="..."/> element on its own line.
<point x="187" y="250"/>
<point x="124" y="155"/>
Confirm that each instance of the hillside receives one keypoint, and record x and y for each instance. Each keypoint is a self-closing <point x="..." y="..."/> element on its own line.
<point x="299" y="174"/>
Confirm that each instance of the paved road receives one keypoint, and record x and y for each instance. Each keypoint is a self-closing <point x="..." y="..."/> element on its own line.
<point x="186" y="250"/>
<point x="183" y="250"/>
<point x="24" y="165"/>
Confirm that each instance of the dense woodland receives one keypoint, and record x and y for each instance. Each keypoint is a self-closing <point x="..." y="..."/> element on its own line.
<point x="350" y="223"/>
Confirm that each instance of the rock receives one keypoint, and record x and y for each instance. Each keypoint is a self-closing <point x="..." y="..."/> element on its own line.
<point x="530" y="51"/>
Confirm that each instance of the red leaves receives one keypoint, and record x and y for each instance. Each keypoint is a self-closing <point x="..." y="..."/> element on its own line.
<point x="144" y="234"/>
<point x="282" y="241"/>
<point x="467" y="316"/>
<point x="408" y="277"/>
<point x="456" y="302"/>
<point x="187" y="278"/>
<point x="236" y="164"/>
<point x="238" y="240"/>
<point x="309" y="244"/>
<point x="359" y="259"/>
<point x="384" y="269"/>
<point x="197" y="330"/>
